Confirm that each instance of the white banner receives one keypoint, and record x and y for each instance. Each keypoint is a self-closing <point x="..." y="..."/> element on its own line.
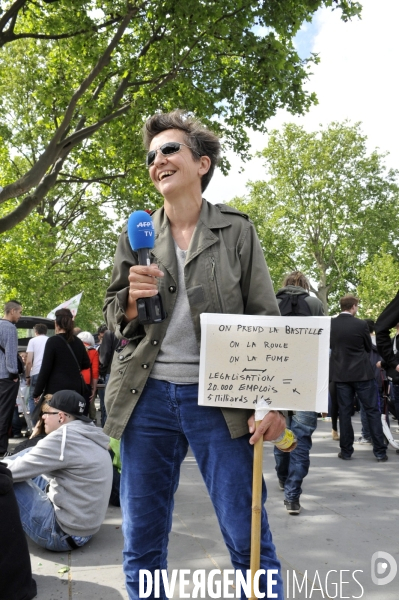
<point x="284" y="360"/>
<point x="72" y="304"/>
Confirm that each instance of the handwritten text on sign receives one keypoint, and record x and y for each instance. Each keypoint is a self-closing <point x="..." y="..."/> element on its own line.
<point x="283" y="360"/>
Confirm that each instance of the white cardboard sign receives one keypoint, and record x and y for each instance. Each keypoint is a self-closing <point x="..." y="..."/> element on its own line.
<point x="284" y="360"/>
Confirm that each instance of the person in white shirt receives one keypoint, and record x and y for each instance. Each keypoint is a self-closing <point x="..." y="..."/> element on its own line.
<point x="35" y="351"/>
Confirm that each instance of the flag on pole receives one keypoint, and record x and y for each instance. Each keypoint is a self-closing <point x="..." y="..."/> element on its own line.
<point x="72" y="304"/>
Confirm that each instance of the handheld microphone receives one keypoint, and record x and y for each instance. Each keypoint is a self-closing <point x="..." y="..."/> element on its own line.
<point x="141" y="234"/>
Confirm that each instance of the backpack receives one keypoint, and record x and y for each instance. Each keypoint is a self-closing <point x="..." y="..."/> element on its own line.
<point x="293" y="305"/>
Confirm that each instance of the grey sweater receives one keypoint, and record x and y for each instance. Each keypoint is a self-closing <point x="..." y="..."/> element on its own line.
<point x="76" y="462"/>
<point x="178" y="358"/>
<point x="9" y="341"/>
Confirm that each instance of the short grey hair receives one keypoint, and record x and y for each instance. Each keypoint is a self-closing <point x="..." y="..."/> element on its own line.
<point x="11" y="305"/>
<point x="201" y="140"/>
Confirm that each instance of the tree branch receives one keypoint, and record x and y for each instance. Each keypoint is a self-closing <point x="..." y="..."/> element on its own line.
<point x="74" y="139"/>
<point x="9" y="35"/>
<point x="105" y="179"/>
<point x="95" y="95"/>
<point x="11" y="13"/>
<point x="54" y="149"/>
<point x="32" y="201"/>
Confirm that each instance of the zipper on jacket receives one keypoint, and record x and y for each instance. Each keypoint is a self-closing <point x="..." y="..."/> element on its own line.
<point x="214" y="278"/>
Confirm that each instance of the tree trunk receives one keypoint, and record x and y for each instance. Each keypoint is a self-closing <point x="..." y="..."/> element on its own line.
<point x="322" y="294"/>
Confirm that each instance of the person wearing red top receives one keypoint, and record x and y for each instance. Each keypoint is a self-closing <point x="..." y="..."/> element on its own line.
<point x="90" y="375"/>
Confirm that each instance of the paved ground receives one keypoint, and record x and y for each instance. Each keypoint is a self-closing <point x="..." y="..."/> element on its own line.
<point x="350" y="511"/>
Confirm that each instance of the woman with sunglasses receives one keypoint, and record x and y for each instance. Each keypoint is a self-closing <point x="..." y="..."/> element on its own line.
<point x="207" y="258"/>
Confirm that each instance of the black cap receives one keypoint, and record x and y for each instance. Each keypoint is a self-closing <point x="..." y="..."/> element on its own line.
<point x="70" y="402"/>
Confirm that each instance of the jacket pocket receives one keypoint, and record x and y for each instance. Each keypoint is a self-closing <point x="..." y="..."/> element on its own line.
<point x="196" y="295"/>
<point x="120" y="363"/>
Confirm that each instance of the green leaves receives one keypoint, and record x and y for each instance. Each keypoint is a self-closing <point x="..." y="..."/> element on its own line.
<point x="378" y="283"/>
<point x="78" y="78"/>
<point x="326" y="207"/>
<point x="69" y="69"/>
<point x="47" y="259"/>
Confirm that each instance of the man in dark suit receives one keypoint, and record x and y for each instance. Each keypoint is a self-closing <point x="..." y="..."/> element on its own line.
<point x="389" y="347"/>
<point x="351" y="369"/>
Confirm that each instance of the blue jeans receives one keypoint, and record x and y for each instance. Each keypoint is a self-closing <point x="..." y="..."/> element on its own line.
<point x="292" y="467"/>
<point x="367" y="395"/>
<point x="165" y="421"/>
<point x="31" y="402"/>
<point x="38" y="514"/>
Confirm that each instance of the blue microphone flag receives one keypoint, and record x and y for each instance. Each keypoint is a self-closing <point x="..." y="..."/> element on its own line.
<point x="140" y="230"/>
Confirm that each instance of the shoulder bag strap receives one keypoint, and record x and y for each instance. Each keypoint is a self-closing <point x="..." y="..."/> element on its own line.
<point x="77" y="364"/>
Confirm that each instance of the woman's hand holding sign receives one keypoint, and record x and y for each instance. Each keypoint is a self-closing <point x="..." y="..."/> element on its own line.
<point x="271" y="427"/>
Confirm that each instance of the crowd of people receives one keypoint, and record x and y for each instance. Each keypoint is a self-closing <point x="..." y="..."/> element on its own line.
<point x="63" y="474"/>
<point x="208" y="258"/>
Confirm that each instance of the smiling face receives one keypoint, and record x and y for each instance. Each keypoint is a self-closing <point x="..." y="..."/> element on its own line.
<point x="176" y="173"/>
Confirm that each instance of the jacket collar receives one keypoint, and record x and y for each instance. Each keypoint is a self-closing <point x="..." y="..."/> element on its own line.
<point x="164" y="251"/>
<point x="210" y="218"/>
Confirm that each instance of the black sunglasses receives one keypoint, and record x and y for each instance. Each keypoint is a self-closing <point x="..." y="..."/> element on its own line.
<point x="49" y="413"/>
<point x="166" y="150"/>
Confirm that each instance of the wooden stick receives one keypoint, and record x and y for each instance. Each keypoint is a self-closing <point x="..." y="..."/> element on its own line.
<point x="257" y="479"/>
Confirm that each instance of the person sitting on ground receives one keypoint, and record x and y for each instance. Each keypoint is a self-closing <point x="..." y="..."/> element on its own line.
<point x="63" y="484"/>
<point x="38" y="432"/>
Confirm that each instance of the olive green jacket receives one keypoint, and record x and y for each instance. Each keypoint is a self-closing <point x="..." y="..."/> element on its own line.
<point x="225" y="272"/>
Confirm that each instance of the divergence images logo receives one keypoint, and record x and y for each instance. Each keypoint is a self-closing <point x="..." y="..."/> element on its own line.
<point x="379" y="565"/>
